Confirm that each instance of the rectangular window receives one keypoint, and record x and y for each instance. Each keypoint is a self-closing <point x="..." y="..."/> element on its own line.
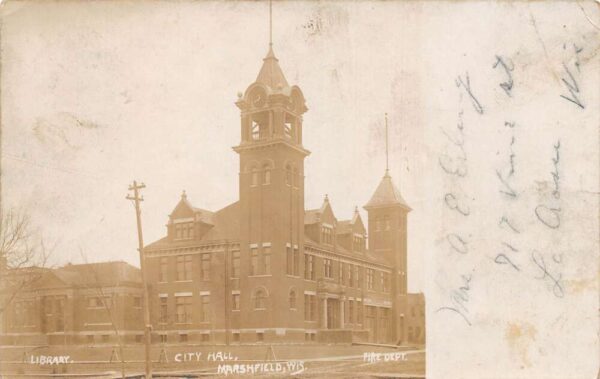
<point x="253" y="261"/>
<point x="164" y="310"/>
<point x="178" y="232"/>
<point x="341" y="272"/>
<point x="358" y="277"/>
<point x="184" y="267"/>
<point x="326" y="235"/>
<point x="205" y="312"/>
<point x="205" y="267"/>
<point x="359" y="317"/>
<point x="289" y="260"/>
<point x="139" y="338"/>
<point x="327" y="272"/>
<point x="235" y="302"/>
<point x="235" y="264"/>
<point x="370" y="274"/>
<point x="236" y="337"/>
<point x="183" y="338"/>
<point x="296" y="262"/>
<point x="90" y="338"/>
<point x="163" y="338"/>
<point x="183" y="309"/>
<point x="306" y="307"/>
<point x="266" y="257"/>
<point x="164" y="270"/>
<point x="351" y="311"/>
<point x="309" y="267"/>
<point x="105" y="338"/>
<point x="137" y="302"/>
<point x="350" y="271"/>
<point x="260" y="336"/>
<point x="385" y="282"/>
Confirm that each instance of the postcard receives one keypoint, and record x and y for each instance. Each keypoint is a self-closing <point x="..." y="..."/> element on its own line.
<point x="320" y="189"/>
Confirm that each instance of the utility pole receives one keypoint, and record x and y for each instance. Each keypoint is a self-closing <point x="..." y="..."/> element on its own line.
<point x="136" y="198"/>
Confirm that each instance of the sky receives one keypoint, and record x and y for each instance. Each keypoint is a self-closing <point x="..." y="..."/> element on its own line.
<point x="96" y="95"/>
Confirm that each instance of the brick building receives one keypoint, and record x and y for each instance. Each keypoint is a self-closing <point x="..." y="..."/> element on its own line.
<point x="74" y="304"/>
<point x="266" y="269"/>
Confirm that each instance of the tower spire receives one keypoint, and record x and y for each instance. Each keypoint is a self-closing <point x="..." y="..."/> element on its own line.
<point x="270" y="23"/>
<point x="387" y="168"/>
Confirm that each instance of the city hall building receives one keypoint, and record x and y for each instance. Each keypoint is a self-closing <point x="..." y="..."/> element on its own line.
<point x="264" y="268"/>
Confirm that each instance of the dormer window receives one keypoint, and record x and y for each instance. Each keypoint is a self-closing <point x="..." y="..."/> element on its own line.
<point x="326" y="235"/>
<point x="358" y="243"/>
<point x="184" y="230"/>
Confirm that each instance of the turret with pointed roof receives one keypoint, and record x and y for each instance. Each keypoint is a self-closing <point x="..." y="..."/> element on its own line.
<point x="386" y="195"/>
<point x="387" y="212"/>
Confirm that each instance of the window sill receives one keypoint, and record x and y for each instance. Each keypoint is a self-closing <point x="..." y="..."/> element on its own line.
<point x="260" y="309"/>
<point x="183" y="281"/>
<point x="235" y="310"/>
<point x="260" y="276"/>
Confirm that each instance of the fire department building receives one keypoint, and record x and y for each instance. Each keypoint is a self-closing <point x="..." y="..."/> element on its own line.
<point x="266" y="269"/>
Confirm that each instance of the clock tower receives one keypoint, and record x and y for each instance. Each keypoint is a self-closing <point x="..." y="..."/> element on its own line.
<point x="271" y="190"/>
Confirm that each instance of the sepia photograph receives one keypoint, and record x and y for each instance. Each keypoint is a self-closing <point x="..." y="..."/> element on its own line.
<point x="319" y="189"/>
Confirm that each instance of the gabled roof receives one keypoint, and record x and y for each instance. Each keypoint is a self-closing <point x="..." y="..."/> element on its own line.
<point x="313" y="216"/>
<point x="225" y="226"/>
<point x="386" y="194"/>
<point x="347" y="226"/>
<point x="271" y="74"/>
<point x="185" y="208"/>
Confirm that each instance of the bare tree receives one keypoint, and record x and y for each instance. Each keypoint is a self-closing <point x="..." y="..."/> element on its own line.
<point x="23" y="255"/>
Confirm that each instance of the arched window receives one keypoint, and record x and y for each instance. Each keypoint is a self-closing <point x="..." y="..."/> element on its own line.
<point x="255" y="132"/>
<point x="288" y="175"/>
<point x="295" y="177"/>
<point x="386" y="222"/>
<point x="254" y="176"/>
<point x="266" y="174"/>
<point x="260" y="299"/>
<point x="292" y="299"/>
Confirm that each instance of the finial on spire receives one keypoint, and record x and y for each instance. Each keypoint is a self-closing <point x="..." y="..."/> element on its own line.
<point x="387" y="168"/>
<point x="183" y="195"/>
<point x="326" y="197"/>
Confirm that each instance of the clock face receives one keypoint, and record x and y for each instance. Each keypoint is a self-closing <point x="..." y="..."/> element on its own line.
<point x="258" y="97"/>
